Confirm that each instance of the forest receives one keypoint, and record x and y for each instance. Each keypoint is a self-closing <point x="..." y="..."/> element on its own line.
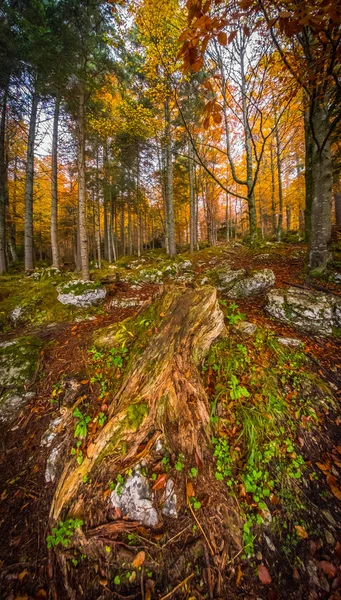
<point x="170" y="299"/>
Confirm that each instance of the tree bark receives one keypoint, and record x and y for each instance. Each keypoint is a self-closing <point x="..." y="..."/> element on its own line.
<point x="165" y="384"/>
<point x="321" y="190"/>
<point x="337" y="200"/>
<point x="29" y="262"/>
<point x="3" y="177"/>
<point x="191" y="201"/>
<point x="83" y="238"/>
<point x="169" y="180"/>
<point x="280" y="185"/>
<point x="54" y="188"/>
<point x="308" y="174"/>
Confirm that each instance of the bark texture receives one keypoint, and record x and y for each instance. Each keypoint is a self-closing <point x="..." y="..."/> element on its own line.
<point x="29" y="262"/>
<point x="163" y="389"/>
<point x="54" y="188"/>
<point x="83" y="238"/>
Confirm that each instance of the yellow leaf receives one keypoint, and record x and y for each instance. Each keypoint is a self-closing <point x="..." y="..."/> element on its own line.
<point x="301" y="532"/>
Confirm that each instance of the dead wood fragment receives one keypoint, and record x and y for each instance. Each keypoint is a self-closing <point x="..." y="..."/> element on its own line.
<point x="112" y="529"/>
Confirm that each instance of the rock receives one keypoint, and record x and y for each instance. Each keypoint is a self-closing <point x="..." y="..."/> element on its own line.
<point x="270" y="543"/>
<point x="306" y="310"/>
<point x="291" y="342"/>
<point x="227" y="277"/>
<point x="150" y="276"/>
<point x="185" y="265"/>
<point x="169" y="507"/>
<point x="81" y="293"/>
<point x="204" y="281"/>
<point x="50" y="433"/>
<point x="52" y="464"/>
<point x="10" y="404"/>
<point x="246" y="328"/>
<point x="18" y="362"/>
<point x="262" y="257"/>
<point x="135" y="500"/>
<point x="125" y="302"/>
<point x="16" y="315"/>
<point x="254" y="284"/>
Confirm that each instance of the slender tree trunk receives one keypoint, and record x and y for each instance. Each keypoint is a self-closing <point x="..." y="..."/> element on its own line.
<point x="192" y="201"/>
<point x="83" y="238"/>
<point x="130" y="237"/>
<point x="98" y="215"/>
<point x="169" y="181"/>
<point x="288" y="218"/>
<point x="308" y="174"/>
<point x="138" y="203"/>
<point x="280" y="185"/>
<point x="337" y="200"/>
<point x="249" y="159"/>
<point x="273" y="202"/>
<point x="3" y="177"/>
<point x="123" y="245"/>
<point x="54" y="188"/>
<point x="321" y="191"/>
<point x="29" y="262"/>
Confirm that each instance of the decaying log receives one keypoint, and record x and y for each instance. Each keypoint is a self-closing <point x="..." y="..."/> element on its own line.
<point x="163" y="392"/>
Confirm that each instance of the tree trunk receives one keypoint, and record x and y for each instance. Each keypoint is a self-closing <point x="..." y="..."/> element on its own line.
<point x="29" y="263"/>
<point x="321" y="191"/>
<point x="308" y="175"/>
<point x="337" y="200"/>
<point x="54" y="188"/>
<point x="83" y="238"/>
<point x="3" y="177"/>
<point x="280" y="186"/>
<point x="98" y="215"/>
<point x="288" y="218"/>
<point x="192" y="201"/>
<point x="169" y="181"/>
<point x="273" y="203"/>
<point x="163" y="387"/>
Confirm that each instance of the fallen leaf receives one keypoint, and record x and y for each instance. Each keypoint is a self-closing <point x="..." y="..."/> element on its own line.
<point x="338" y="549"/>
<point x="336" y="491"/>
<point x="84" y="381"/>
<point x="23" y="574"/>
<point x="331" y="480"/>
<point x="264" y="575"/>
<point x="328" y="568"/>
<point x="160" y="482"/>
<point x="239" y="575"/>
<point x="190" y="489"/>
<point x="40" y="593"/>
<point x="139" y="559"/>
<point x="301" y="532"/>
<point x="322" y="467"/>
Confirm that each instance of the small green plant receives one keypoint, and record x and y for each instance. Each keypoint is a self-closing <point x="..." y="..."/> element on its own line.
<point x="81" y="426"/>
<point x="117" y="485"/>
<point x="194" y="472"/>
<point x="117" y="580"/>
<point x="234" y="315"/>
<point x="237" y="391"/>
<point x="179" y="463"/>
<point x="64" y="533"/>
<point x="195" y="503"/>
<point x="101" y="419"/>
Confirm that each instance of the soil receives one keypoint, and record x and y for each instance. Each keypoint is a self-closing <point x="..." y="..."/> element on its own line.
<point x="28" y="570"/>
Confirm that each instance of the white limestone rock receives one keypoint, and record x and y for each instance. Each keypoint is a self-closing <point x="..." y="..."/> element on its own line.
<point x="81" y="293"/>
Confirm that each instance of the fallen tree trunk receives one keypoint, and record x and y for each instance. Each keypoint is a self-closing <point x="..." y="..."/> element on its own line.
<point x="162" y="395"/>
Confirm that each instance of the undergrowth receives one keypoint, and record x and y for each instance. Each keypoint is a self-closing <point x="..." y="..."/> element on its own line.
<point x="262" y="394"/>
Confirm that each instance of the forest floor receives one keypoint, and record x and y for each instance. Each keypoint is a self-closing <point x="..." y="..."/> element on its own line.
<point x="268" y="528"/>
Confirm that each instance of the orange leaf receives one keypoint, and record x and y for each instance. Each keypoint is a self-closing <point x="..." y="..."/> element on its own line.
<point x="222" y="38"/>
<point x="84" y="381"/>
<point x="331" y="480"/>
<point x="239" y="576"/>
<point x="322" y="467"/>
<point x="336" y="491"/>
<point x="328" y="568"/>
<point x="160" y="482"/>
<point x="264" y="575"/>
<point x="139" y="559"/>
<point x="190" y="489"/>
<point x="301" y="532"/>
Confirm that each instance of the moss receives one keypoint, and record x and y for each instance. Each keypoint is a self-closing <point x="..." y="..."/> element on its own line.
<point x="78" y="287"/>
<point x="136" y="414"/>
<point x="18" y="362"/>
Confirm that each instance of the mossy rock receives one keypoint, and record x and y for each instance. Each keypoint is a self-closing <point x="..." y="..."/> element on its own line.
<point x="81" y="293"/>
<point x="113" y="335"/>
<point x="18" y="362"/>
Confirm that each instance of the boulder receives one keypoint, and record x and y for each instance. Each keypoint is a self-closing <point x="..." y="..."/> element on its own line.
<point x="18" y="364"/>
<point x="81" y="293"/>
<point x="306" y="310"/>
<point x="289" y="342"/>
<point x="256" y="283"/>
<point x="228" y="277"/>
